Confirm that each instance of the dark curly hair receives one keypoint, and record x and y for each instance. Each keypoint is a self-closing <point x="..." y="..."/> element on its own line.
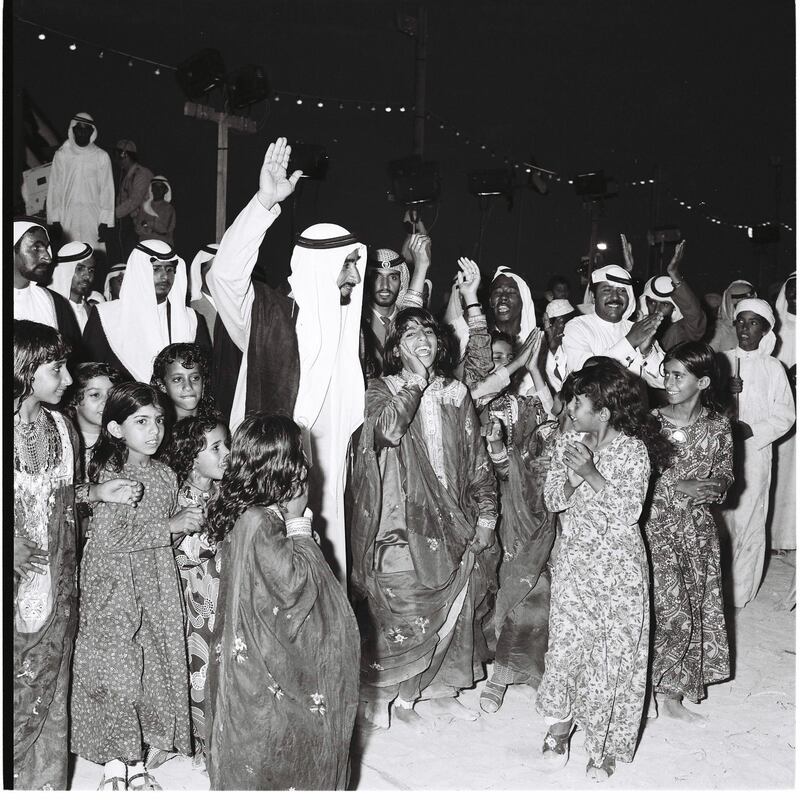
<point x="187" y="439"/>
<point x="34" y="344"/>
<point x="123" y="400"/>
<point x="609" y="385"/>
<point x="267" y="465"/>
<point x="393" y="364"/>
<point x="188" y="355"/>
<point x="700" y="359"/>
<point x="81" y="376"/>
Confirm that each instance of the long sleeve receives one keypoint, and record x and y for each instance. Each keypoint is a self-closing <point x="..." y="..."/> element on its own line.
<point x="105" y="190"/>
<point x="778" y="414"/>
<point x="488" y="388"/>
<point x="137" y="192"/>
<point x="478" y="354"/>
<point x="693" y="325"/>
<point x="391" y="414"/>
<point x="722" y="468"/>
<point x="229" y="279"/>
<point x="482" y="484"/>
<point x="55" y="189"/>
<point x="554" y="497"/>
<point x="579" y="345"/>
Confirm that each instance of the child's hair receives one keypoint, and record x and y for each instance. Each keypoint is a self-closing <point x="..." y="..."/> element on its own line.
<point x="609" y="385"/>
<point x="392" y="363"/>
<point x="188" y="355"/>
<point x="502" y="336"/>
<point x="187" y="439"/>
<point x="34" y="344"/>
<point x="700" y="360"/>
<point x="267" y="465"/>
<point x="123" y="400"/>
<point x="81" y="376"/>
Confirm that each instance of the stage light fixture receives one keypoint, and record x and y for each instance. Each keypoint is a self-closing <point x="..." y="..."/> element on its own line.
<point x="201" y="73"/>
<point x="247" y="86"/>
<point x="491" y="183"/>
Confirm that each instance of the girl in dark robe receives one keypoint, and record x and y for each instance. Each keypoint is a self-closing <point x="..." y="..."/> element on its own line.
<point x="282" y="686"/>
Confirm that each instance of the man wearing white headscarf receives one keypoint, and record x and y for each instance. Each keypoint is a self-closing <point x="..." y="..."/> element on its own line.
<point x="156" y="217"/>
<point x="766" y="411"/>
<point x="724" y="337"/>
<point x="608" y="331"/>
<point x="73" y="276"/>
<point x="32" y="260"/>
<point x="150" y="314"/>
<point x="296" y="356"/>
<point x="200" y="298"/>
<point x="80" y="192"/>
<point x="784" y="520"/>
<point x="113" y="282"/>
<point x="556" y="316"/>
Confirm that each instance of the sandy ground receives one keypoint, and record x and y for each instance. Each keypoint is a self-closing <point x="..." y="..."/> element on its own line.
<point x="747" y="742"/>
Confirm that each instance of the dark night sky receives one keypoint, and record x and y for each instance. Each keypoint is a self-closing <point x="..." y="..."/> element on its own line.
<point x="705" y="90"/>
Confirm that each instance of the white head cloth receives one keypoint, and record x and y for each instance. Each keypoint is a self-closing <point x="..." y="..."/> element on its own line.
<point x="117" y="269"/>
<point x="528" y="319"/>
<point x="131" y="324"/>
<point x="23" y="225"/>
<point x="781" y="305"/>
<point x="327" y="331"/>
<point x="785" y="328"/>
<point x="69" y="256"/>
<point x="70" y="144"/>
<point x="615" y="274"/>
<point x="557" y="308"/>
<point x="148" y="201"/>
<point x="727" y="309"/>
<point x="385" y="260"/>
<point x="95" y="297"/>
<point x="660" y="289"/>
<point x="763" y="309"/>
<point x="195" y="277"/>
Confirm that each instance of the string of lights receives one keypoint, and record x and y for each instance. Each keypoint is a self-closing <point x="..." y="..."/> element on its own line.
<point x="313" y="101"/>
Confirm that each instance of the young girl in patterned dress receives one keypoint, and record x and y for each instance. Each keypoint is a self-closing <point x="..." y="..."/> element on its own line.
<point x="690" y="645"/>
<point x="129" y="669"/>
<point x="596" y="664"/>
<point x="198" y="453"/>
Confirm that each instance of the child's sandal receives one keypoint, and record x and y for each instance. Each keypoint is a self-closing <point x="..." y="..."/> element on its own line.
<point x="492" y="697"/>
<point x="143" y="782"/>
<point x="116" y="783"/>
<point x="606" y="767"/>
<point x="555" y="749"/>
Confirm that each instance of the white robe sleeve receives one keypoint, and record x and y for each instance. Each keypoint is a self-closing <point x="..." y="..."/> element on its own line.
<point x="229" y="278"/>
<point x="779" y="413"/>
<point x="105" y="190"/>
<point x="55" y="189"/>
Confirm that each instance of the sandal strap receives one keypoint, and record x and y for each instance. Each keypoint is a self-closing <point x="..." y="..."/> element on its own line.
<point x="114" y="780"/>
<point x="149" y="783"/>
<point x="556" y="743"/>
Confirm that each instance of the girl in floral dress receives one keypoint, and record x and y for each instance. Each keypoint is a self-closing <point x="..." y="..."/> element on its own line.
<point x="690" y="645"/>
<point x="596" y="664"/>
<point x="45" y="597"/>
<point x="129" y="669"/>
<point x="282" y="685"/>
<point x="198" y="454"/>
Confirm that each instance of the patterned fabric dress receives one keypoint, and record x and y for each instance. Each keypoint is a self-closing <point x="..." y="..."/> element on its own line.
<point x="690" y="643"/>
<point x="282" y="686"/>
<point x="596" y="663"/>
<point x="45" y="612"/>
<point x="198" y="566"/>
<point x="129" y="672"/>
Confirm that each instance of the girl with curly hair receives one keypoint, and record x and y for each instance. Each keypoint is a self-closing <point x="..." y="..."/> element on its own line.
<point x="129" y="669"/>
<point x="198" y="453"/>
<point x="282" y="685"/>
<point x="690" y="643"/>
<point x="181" y="373"/>
<point x="596" y="665"/>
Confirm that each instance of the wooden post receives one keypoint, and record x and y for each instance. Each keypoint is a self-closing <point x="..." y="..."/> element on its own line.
<point x="222" y="176"/>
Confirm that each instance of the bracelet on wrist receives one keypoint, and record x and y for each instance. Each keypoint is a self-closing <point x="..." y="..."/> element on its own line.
<point x="472" y="305"/>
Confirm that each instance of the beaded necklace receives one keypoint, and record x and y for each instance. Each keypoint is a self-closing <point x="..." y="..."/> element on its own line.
<point x="37" y="445"/>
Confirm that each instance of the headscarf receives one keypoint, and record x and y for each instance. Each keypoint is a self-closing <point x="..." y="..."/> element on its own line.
<point x="69" y="256"/>
<point x="195" y="277"/>
<point x="388" y="262"/>
<point x="613" y="273"/>
<point x="23" y="224"/>
<point x="95" y="297"/>
<point x="762" y="308"/>
<point x="147" y="206"/>
<point x="131" y="324"/>
<point x="528" y="319"/>
<point x="785" y="328"/>
<point x="327" y="332"/>
<point x="727" y="309"/>
<point x="660" y="289"/>
<point x="117" y="269"/>
<point x="556" y="308"/>
<point x="70" y="144"/>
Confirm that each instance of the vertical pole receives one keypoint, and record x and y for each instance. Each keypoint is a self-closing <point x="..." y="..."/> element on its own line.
<point x="222" y="174"/>
<point x="420" y="53"/>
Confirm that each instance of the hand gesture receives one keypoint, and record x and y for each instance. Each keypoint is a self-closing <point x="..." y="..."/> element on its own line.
<point x="483" y="539"/>
<point x="495" y="432"/>
<point x="702" y="490"/>
<point x="468" y="280"/>
<point x="273" y="185"/>
<point x="295" y="507"/>
<point x="735" y="385"/>
<point x="411" y="361"/>
<point x="580" y="459"/>
<point x="673" y="269"/>
<point x="627" y="252"/>
<point x="744" y="429"/>
<point x="574" y="479"/>
<point x="28" y="557"/>
<point x="119" y="490"/>
<point x="190" y="520"/>
<point x="419" y="245"/>
<point x="643" y="330"/>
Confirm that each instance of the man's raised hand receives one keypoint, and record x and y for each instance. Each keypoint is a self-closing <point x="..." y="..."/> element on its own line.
<point x="273" y="185"/>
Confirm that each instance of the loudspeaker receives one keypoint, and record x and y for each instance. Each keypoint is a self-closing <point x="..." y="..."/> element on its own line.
<point x="201" y="73"/>
<point x="248" y="85"/>
<point x="414" y="180"/>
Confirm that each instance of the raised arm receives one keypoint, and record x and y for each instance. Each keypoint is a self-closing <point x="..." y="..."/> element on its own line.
<point x="229" y="279"/>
